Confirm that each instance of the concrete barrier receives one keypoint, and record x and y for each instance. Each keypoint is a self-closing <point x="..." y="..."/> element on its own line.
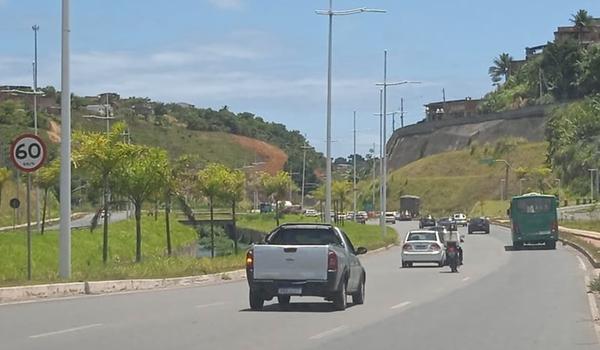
<point x="10" y="294"/>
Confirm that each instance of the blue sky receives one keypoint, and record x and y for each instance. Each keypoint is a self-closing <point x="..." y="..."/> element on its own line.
<point x="269" y="57"/>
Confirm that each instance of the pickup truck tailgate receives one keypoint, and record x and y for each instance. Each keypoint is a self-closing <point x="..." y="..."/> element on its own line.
<point x="278" y="262"/>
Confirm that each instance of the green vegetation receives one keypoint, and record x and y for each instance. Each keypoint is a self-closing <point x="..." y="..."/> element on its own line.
<point x="565" y="70"/>
<point x="87" y="254"/>
<point x="489" y="208"/>
<point x="587" y="225"/>
<point x="456" y="181"/>
<point x="572" y="133"/>
<point x="368" y="236"/>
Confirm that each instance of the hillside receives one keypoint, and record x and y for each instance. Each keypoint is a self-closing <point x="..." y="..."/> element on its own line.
<point x="457" y="180"/>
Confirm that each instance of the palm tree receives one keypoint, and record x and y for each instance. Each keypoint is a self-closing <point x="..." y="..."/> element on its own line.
<point x="501" y="68"/>
<point x="581" y="20"/>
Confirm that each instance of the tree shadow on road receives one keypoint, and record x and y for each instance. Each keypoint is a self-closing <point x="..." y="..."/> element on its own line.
<point x="299" y="307"/>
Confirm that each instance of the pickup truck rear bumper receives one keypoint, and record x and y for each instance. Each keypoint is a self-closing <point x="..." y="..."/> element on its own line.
<point x="271" y="288"/>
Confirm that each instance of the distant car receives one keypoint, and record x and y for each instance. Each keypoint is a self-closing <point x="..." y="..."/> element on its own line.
<point x="390" y="217"/>
<point x="479" y="225"/>
<point x="423" y="246"/>
<point x="102" y="213"/>
<point x="350" y="216"/>
<point x="361" y="217"/>
<point x="426" y="221"/>
<point x="460" y="219"/>
<point x="311" y="213"/>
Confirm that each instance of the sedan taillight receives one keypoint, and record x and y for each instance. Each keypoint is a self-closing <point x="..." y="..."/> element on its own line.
<point x="407" y="247"/>
<point x="434" y="247"/>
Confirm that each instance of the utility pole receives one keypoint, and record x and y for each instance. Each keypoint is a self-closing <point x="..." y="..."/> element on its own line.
<point x="373" y="181"/>
<point x="354" y="172"/>
<point x="402" y="112"/>
<point x="35" y="117"/>
<point x="65" y="150"/>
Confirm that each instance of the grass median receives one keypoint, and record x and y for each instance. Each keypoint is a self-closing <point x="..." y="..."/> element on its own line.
<point x="87" y="251"/>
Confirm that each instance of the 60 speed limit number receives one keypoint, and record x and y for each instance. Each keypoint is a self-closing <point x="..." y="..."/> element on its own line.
<point x="28" y="152"/>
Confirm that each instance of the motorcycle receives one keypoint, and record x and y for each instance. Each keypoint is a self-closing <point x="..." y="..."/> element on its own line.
<point x="452" y="256"/>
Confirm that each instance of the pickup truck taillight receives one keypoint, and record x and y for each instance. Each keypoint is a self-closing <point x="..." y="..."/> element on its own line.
<point x="250" y="260"/>
<point x="332" y="261"/>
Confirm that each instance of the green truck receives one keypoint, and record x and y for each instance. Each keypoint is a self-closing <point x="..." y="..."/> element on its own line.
<point x="534" y="220"/>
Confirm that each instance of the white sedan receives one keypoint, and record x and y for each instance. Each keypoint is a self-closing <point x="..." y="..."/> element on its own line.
<point x="423" y="246"/>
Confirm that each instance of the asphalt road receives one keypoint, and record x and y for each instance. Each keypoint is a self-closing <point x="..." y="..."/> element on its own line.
<point x="532" y="299"/>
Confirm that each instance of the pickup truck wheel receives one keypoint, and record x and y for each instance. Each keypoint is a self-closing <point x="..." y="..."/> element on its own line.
<point x="358" y="298"/>
<point x="284" y="300"/>
<point x="339" y="300"/>
<point x="256" y="301"/>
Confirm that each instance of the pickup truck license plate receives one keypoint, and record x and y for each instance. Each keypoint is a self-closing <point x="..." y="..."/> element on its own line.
<point x="290" y="291"/>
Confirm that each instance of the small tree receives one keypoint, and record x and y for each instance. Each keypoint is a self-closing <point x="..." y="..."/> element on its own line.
<point x="99" y="155"/>
<point x="234" y="193"/>
<point x="47" y="178"/>
<point x="139" y="178"/>
<point x="276" y="187"/>
<point x="4" y="178"/>
<point x="340" y="191"/>
<point x="210" y="184"/>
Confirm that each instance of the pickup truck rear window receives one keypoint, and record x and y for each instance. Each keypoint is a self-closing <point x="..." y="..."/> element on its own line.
<point x="304" y="237"/>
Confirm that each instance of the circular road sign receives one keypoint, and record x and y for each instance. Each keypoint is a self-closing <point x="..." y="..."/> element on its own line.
<point x="28" y="152"/>
<point x="15" y="203"/>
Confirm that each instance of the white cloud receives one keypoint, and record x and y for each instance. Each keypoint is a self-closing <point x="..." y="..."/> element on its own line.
<point x="226" y="4"/>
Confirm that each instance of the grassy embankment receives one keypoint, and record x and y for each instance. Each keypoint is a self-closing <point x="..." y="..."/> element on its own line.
<point x="458" y="180"/>
<point x="87" y="251"/>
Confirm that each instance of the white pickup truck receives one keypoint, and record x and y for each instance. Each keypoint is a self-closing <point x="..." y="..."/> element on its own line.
<point x="305" y="260"/>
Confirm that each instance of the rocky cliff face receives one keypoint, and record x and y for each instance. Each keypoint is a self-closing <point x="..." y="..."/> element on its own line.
<point x="421" y="140"/>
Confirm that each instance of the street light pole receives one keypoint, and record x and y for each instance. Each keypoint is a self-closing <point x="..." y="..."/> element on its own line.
<point x="521" y="186"/>
<point x="502" y="189"/>
<point x="385" y="84"/>
<point x="35" y="116"/>
<point x="592" y="182"/>
<point x="65" y="150"/>
<point x="304" y="148"/>
<point x="354" y="172"/>
<point x="330" y="13"/>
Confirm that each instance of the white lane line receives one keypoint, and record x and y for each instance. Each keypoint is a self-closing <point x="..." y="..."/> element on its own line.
<point x="209" y="305"/>
<point x="406" y="303"/>
<point x="68" y="330"/>
<point x="581" y="263"/>
<point x="466" y="279"/>
<point x="327" y="333"/>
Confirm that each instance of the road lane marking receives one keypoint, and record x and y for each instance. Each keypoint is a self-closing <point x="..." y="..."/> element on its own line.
<point x="327" y="333"/>
<point x="406" y="303"/>
<point x="68" y="330"/>
<point x="209" y="305"/>
<point x="466" y="279"/>
<point x="581" y="263"/>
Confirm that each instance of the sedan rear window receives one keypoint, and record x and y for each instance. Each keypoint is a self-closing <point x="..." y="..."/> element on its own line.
<point x="422" y="236"/>
<point x="304" y="237"/>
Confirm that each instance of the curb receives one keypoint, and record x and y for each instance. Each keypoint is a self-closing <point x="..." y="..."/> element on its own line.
<point x="582" y="250"/>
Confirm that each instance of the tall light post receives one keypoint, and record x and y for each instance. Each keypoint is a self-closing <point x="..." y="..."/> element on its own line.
<point x="330" y="13"/>
<point x="521" y="186"/>
<point x="385" y="84"/>
<point x="65" y="150"/>
<point x="35" y="117"/>
<point x="502" y="189"/>
<point x="304" y="148"/>
<point x="592" y="183"/>
<point x="354" y="171"/>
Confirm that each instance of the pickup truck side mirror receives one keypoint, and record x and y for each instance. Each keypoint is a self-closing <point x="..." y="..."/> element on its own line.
<point x="361" y="250"/>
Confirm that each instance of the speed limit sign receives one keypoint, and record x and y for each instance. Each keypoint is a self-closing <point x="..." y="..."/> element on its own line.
<point x="28" y="152"/>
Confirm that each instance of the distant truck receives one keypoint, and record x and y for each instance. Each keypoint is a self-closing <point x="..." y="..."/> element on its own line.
<point x="409" y="207"/>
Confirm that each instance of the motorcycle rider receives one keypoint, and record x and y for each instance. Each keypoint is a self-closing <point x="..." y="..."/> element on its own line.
<point x="452" y="235"/>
